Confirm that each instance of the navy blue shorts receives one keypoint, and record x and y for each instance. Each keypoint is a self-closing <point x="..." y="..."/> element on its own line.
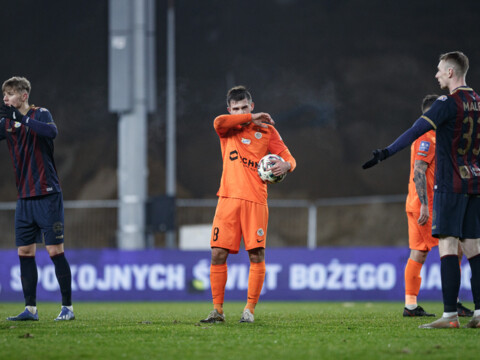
<point x="39" y="219"/>
<point x="456" y="215"/>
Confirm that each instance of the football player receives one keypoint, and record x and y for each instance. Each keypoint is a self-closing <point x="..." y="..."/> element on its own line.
<point x="456" y="202"/>
<point x="242" y="210"/>
<point x="419" y="206"/>
<point x="29" y="132"/>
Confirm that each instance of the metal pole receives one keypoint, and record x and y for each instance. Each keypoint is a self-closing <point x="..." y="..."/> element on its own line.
<point x="171" y="116"/>
<point x="312" y="227"/>
<point x="132" y="147"/>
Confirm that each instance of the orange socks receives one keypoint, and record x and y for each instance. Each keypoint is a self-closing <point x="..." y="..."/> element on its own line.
<point x="218" y="280"/>
<point x="256" y="277"/>
<point x="412" y="281"/>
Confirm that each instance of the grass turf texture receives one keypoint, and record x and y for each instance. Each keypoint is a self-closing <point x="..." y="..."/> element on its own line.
<point x="282" y="330"/>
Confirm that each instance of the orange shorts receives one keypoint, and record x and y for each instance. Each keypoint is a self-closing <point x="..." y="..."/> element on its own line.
<point x="235" y="218"/>
<point x="420" y="236"/>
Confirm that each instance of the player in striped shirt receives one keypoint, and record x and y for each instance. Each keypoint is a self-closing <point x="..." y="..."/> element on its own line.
<point x="242" y="210"/>
<point x="456" y="204"/>
<point x="419" y="206"/>
<point x="29" y="132"/>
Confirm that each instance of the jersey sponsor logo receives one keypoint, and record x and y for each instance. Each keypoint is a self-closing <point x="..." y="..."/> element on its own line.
<point x="260" y="232"/>
<point x="475" y="170"/>
<point x="246" y="141"/>
<point x="234" y="155"/>
<point x="424" y="146"/>
<point x="466" y="172"/>
<point x="258" y="135"/>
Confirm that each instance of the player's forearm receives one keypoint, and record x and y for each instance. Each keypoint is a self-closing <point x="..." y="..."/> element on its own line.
<point x="420" y="127"/>
<point x="48" y="130"/>
<point x="420" y="180"/>
<point x="285" y="154"/>
<point x="227" y="122"/>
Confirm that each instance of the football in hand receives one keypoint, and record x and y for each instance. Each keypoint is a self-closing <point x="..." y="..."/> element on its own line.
<point x="264" y="171"/>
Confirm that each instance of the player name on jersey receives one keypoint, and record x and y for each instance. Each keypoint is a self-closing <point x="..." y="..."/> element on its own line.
<point x="471" y="106"/>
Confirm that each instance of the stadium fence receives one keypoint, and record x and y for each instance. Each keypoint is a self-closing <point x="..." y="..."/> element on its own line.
<point x="349" y="221"/>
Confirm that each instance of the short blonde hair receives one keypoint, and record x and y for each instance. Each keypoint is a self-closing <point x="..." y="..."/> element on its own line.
<point x="458" y="60"/>
<point x="17" y="83"/>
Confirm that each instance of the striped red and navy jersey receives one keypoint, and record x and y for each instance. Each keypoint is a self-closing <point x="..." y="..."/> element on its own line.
<point x="456" y="118"/>
<point x="32" y="152"/>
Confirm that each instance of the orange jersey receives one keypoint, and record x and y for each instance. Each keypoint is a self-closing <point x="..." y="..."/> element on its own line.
<point x="422" y="149"/>
<point x="242" y="148"/>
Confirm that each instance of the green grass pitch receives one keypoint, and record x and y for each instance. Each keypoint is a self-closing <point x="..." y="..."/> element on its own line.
<point x="282" y="330"/>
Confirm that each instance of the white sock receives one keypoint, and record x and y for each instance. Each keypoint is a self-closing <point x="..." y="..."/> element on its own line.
<point x="411" y="306"/>
<point x="32" y="309"/>
<point x="68" y="307"/>
<point x="449" y="314"/>
<point x="476" y="313"/>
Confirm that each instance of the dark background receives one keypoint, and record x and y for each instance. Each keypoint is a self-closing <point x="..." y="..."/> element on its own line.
<point x="339" y="77"/>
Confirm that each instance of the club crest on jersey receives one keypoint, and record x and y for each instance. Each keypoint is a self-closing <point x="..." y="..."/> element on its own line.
<point x="258" y="135"/>
<point x="260" y="232"/>
<point x="424" y="146"/>
<point x="246" y="141"/>
<point x="464" y="172"/>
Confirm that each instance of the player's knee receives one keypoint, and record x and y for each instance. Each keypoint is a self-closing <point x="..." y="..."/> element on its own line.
<point x="418" y="256"/>
<point x="471" y="247"/>
<point x="55" y="249"/>
<point x="448" y="246"/>
<point x="28" y="250"/>
<point x="219" y="256"/>
<point x="256" y="255"/>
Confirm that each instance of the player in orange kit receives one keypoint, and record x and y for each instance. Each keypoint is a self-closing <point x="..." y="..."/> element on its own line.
<point x="242" y="210"/>
<point x="419" y="206"/>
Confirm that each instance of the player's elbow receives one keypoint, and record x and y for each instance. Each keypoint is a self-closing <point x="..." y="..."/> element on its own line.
<point x="53" y="132"/>
<point x="218" y="122"/>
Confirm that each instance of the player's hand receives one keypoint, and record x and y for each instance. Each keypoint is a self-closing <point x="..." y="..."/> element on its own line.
<point x="261" y="119"/>
<point x="424" y="215"/>
<point x="280" y="167"/>
<point x="10" y="112"/>
<point x="378" y="155"/>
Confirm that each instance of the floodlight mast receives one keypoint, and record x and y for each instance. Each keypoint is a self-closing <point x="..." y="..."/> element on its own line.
<point x="132" y="95"/>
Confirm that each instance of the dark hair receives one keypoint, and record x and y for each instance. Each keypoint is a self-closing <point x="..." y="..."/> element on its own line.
<point x="17" y="83"/>
<point x="428" y="101"/>
<point x="238" y="93"/>
<point x="459" y="61"/>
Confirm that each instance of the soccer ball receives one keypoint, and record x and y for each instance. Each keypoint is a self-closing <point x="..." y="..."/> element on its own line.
<point x="264" y="171"/>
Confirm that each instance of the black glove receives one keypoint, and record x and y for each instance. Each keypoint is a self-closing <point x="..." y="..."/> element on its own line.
<point x="10" y="112"/>
<point x="378" y="155"/>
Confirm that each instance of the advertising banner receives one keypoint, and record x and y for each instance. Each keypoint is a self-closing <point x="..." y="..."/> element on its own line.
<point x="294" y="274"/>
